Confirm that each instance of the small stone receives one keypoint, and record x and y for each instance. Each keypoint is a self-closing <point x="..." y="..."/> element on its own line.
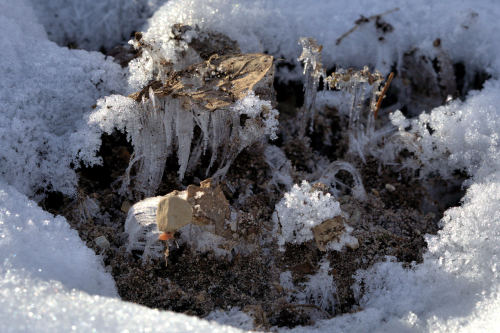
<point x="102" y="243"/>
<point x="173" y="212"/>
<point x="233" y="225"/>
<point x="353" y="244"/>
<point x="125" y="206"/>
<point x="390" y="187"/>
<point x="329" y="230"/>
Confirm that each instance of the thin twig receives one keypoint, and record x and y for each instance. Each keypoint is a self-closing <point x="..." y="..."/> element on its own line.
<point x="363" y="20"/>
<point x="382" y="94"/>
<point x="290" y="305"/>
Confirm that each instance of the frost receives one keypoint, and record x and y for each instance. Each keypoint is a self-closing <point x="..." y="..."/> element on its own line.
<point x="328" y="178"/>
<point x="458" y="136"/>
<point x="360" y="85"/>
<point x="299" y="211"/>
<point x="281" y="167"/>
<point x="161" y="119"/>
<point x="90" y="25"/>
<point x="313" y="72"/>
<point x="142" y="229"/>
<point x="234" y="317"/>
<point x="45" y="91"/>
<point x="319" y="289"/>
<point x="203" y="239"/>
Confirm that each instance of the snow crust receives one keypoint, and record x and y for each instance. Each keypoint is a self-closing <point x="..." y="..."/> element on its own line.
<point x="45" y="91"/>
<point x="93" y="25"/>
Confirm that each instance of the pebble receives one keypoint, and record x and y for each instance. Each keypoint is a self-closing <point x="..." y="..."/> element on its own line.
<point x="102" y="242"/>
<point x="173" y="212"/>
<point x="125" y="206"/>
<point x="390" y="187"/>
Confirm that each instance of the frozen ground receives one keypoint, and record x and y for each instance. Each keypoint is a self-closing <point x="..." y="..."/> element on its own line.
<point x="51" y="282"/>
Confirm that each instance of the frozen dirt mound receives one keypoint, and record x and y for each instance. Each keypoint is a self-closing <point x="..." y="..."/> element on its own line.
<point x="48" y="275"/>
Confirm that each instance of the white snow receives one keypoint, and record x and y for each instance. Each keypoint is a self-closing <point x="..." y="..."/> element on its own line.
<point x="45" y="91"/>
<point x="300" y="210"/>
<point x="92" y="25"/>
<point x="51" y="282"/>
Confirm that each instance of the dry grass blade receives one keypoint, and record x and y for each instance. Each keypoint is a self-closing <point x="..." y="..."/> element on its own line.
<point x="362" y="20"/>
<point x="382" y="94"/>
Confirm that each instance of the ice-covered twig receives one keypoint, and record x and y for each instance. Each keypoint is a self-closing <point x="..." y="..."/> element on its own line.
<point x="382" y="94"/>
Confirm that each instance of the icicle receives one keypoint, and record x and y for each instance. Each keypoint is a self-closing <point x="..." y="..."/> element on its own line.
<point x="168" y="121"/>
<point x="313" y="71"/>
<point x="219" y="130"/>
<point x="202" y="120"/>
<point x="184" y="131"/>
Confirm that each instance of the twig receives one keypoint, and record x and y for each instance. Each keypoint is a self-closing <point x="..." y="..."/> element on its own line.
<point x="289" y="305"/>
<point x="363" y="20"/>
<point x="382" y="94"/>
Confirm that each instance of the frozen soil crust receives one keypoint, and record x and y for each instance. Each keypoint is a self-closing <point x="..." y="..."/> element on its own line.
<point x="391" y="222"/>
<point x="388" y="223"/>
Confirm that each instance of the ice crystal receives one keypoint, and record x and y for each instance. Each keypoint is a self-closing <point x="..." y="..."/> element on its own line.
<point x="299" y="211"/>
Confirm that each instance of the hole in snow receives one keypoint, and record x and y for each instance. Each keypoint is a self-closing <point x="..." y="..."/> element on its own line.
<point x="279" y="288"/>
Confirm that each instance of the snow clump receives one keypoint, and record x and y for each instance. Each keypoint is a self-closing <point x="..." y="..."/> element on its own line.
<point x="300" y="211"/>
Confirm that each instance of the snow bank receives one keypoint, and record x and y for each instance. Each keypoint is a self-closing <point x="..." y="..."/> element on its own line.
<point x="51" y="282"/>
<point x="44" y="247"/>
<point x="464" y="27"/>
<point x="93" y="25"/>
<point x="44" y="92"/>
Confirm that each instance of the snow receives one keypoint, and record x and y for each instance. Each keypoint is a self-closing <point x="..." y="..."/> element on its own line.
<point x="44" y="92"/>
<point x="300" y="210"/>
<point x="93" y="25"/>
<point x="53" y="282"/>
